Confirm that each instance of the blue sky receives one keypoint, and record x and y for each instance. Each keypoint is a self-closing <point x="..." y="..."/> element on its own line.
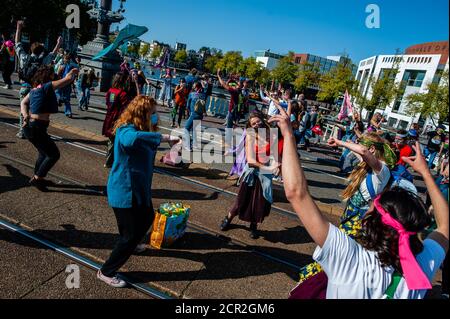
<point x="326" y="27"/>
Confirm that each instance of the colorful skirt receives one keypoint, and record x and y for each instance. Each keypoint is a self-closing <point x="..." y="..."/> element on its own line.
<point x="351" y="222"/>
<point x="250" y="205"/>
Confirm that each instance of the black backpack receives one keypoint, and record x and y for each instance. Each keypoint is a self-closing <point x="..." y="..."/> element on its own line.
<point x="30" y="67"/>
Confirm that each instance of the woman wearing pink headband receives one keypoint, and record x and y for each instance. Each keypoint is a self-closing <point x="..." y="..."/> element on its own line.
<point x="387" y="248"/>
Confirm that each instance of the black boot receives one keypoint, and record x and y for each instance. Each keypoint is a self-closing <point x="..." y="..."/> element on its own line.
<point x="225" y="225"/>
<point x="254" y="231"/>
<point x="39" y="184"/>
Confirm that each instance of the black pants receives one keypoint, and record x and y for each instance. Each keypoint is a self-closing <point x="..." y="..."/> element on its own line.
<point x="8" y="69"/>
<point x="36" y="133"/>
<point x="133" y="224"/>
<point x="445" y="276"/>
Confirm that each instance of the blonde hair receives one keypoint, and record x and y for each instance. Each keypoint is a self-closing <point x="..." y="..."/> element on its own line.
<point x="138" y="113"/>
<point x="360" y="172"/>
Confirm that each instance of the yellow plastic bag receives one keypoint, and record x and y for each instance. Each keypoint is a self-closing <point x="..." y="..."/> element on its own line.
<point x="169" y="225"/>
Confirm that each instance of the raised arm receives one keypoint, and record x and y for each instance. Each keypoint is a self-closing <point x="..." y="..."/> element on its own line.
<point x="222" y="83"/>
<point x="264" y="98"/>
<point x="440" y="205"/>
<point x="58" y="45"/>
<point x="70" y="77"/>
<point x="295" y="184"/>
<point x="19" y="31"/>
<point x="361" y="150"/>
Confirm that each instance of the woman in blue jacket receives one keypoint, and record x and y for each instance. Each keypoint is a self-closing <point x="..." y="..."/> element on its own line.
<point x="130" y="180"/>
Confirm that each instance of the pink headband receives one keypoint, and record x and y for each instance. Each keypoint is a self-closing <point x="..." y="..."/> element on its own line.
<point x="413" y="274"/>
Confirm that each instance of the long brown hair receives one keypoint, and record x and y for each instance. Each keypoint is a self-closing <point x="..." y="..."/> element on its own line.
<point x="410" y="211"/>
<point x="138" y="113"/>
<point x="360" y="172"/>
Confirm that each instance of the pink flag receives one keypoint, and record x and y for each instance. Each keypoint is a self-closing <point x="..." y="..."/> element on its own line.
<point x="346" y="108"/>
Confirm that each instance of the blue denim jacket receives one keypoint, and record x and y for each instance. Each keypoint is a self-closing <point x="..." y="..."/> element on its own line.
<point x="132" y="171"/>
<point x="249" y="176"/>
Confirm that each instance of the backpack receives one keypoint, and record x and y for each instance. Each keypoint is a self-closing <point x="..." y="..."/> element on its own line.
<point x="200" y="106"/>
<point x="30" y="67"/>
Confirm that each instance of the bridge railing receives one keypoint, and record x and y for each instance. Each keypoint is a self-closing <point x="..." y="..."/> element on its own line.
<point x="216" y="104"/>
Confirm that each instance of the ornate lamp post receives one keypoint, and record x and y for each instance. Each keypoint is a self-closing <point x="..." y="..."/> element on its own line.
<point x="106" y="67"/>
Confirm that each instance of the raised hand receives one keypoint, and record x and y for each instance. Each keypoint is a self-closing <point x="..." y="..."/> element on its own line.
<point x="418" y="162"/>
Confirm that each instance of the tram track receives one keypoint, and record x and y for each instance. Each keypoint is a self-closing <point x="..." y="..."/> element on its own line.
<point x="190" y="226"/>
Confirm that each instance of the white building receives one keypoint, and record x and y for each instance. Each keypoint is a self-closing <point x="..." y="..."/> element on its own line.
<point x="268" y="59"/>
<point x="416" y="71"/>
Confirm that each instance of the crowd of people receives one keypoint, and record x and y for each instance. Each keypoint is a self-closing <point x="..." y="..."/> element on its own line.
<point x="389" y="242"/>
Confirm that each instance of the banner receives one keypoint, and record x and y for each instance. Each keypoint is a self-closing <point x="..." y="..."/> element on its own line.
<point x="346" y="108"/>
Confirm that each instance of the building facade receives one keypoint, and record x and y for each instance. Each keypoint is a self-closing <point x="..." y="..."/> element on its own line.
<point x="416" y="71"/>
<point x="268" y="59"/>
<point x="325" y="64"/>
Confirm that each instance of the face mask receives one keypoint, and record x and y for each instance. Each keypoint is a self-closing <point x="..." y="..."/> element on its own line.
<point x="154" y="119"/>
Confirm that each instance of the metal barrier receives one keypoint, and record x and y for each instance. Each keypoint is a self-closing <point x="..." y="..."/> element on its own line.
<point x="216" y="104"/>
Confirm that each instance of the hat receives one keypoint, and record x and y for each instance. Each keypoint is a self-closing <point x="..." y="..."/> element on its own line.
<point x="9" y="44"/>
<point x="412" y="133"/>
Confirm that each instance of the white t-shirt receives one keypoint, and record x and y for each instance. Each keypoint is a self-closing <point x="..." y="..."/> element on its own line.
<point x="356" y="273"/>
<point x="273" y="110"/>
<point x="379" y="181"/>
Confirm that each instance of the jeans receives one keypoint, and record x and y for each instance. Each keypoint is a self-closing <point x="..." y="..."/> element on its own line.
<point x="36" y="133"/>
<point x="431" y="156"/>
<point x="191" y="127"/>
<point x="304" y="137"/>
<point x="166" y="93"/>
<point x="133" y="224"/>
<point x="84" y="96"/>
<point x="64" y="95"/>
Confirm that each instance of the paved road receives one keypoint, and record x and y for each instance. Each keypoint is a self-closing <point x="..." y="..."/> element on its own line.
<point x="206" y="263"/>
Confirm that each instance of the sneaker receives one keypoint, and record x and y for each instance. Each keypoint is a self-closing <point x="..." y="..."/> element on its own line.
<point x="112" y="281"/>
<point x="140" y="248"/>
<point x="225" y="225"/>
<point x="21" y="135"/>
<point x="7" y="87"/>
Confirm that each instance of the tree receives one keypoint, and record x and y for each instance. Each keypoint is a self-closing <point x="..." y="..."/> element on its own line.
<point x="46" y="19"/>
<point x="384" y="89"/>
<point x="434" y="102"/>
<point x="253" y="70"/>
<point x="181" y="56"/>
<point x="205" y="50"/>
<point x="192" y="59"/>
<point x="212" y="62"/>
<point x="286" y="71"/>
<point x="156" y="53"/>
<point x="143" y="51"/>
<point x="133" y="49"/>
<point x="336" y="82"/>
<point x="230" y="62"/>
<point x="308" y="76"/>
